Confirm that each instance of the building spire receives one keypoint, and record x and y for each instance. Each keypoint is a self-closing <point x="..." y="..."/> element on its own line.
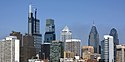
<point x="30" y="8"/>
<point x="93" y="23"/>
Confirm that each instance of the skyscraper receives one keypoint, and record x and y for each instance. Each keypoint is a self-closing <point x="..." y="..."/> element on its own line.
<point x="50" y="31"/>
<point x="114" y="33"/>
<point x="94" y="39"/>
<point x="107" y="50"/>
<point x="66" y="34"/>
<point x="10" y="49"/>
<point x="34" y="29"/>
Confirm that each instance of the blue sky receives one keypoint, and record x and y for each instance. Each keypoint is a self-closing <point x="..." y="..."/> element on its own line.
<point x="78" y="15"/>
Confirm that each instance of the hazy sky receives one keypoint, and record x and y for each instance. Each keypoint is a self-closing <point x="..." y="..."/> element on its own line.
<point x="78" y="15"/>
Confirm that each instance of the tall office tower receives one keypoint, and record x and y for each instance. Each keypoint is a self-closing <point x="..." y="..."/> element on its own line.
<point x="94" y="39"/>
<point x="120" y="53"/>
<point x="56" y="51"/>
<point x="107" y="50"/>
<point x="34" y="29"/>
<point x="10" y="49"/>
<point x="50" y="31"/>
<point x="73" y="45"/>
<point x="66" y="34"/>
<point x="86" y="52"/>
<point x="114" y="33"/>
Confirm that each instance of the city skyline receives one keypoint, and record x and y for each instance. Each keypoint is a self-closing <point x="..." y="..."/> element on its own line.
<point x="77" y="15"/>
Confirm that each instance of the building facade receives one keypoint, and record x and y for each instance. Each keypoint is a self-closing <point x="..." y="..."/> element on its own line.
<point x="10" y="49"/>
<point x="86" y="52"/>
<point x="28" y="49"/>
<point x="94" y="39"/>
<point x="56" y="51"/>
<point x="107" y="49"/>
<point x="120" y="57"/>
<point x="66" y="34"/>
<point x="34" y="29"/>
<point x="45" y="51"/>
<point x="114" y="33"/>
<point x="50" y="31"/>
<point x="73" y="45"/>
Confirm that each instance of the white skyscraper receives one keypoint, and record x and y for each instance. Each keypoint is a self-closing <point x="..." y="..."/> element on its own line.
<point x="66" y="34"/>
<point x="107" y="51"/>
<point x="9" y="49"/>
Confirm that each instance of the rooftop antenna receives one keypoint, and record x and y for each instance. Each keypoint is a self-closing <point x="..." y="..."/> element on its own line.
<point x="93" y="23"/>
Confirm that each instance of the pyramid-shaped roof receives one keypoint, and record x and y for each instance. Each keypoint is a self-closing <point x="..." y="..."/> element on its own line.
<point x="66" y="29"/>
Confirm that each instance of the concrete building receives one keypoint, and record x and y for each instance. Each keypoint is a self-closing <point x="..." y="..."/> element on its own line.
<point x="107" y="49"/>
<point x="27" y="49"/>
<point x="86" y="52"/>
<point x="20" y="37"/>
<point x="56" y="51"/>
<point x="120" y="57"/>
<point x="73" y="45"/>
<point x="10" y="49"/>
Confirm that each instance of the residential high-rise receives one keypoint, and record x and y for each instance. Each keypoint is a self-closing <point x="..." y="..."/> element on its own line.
<point x="34" y="29"/>
<point x="114" y="33"/>
<point x="50" y="31"/>
<point x="73" y="45"/>
<point x="94" y="39"/>
<point x="10" y="49"/>
<point x="120" y="57"/>
<point x="66" y="34"/>
<point x="20" y="37"/>
<point x="107" y="49"/>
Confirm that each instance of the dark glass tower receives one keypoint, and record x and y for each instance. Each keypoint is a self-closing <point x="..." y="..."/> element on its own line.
<point x="94" y="39"/>
<point x="114" y="33"/>
<point x="50" y="31"/>
<point x="34" y="29"/>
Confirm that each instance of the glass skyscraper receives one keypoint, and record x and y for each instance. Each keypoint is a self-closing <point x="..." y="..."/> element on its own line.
<point x="94" y="39"/>
<point x="34" y="29"/>
<point x="114" y="33"/>
<point x="50" y="31"/>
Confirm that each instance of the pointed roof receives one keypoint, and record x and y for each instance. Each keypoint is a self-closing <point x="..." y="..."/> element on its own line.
<point x="66" y="29"/>
<point x="93" y="23"/>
